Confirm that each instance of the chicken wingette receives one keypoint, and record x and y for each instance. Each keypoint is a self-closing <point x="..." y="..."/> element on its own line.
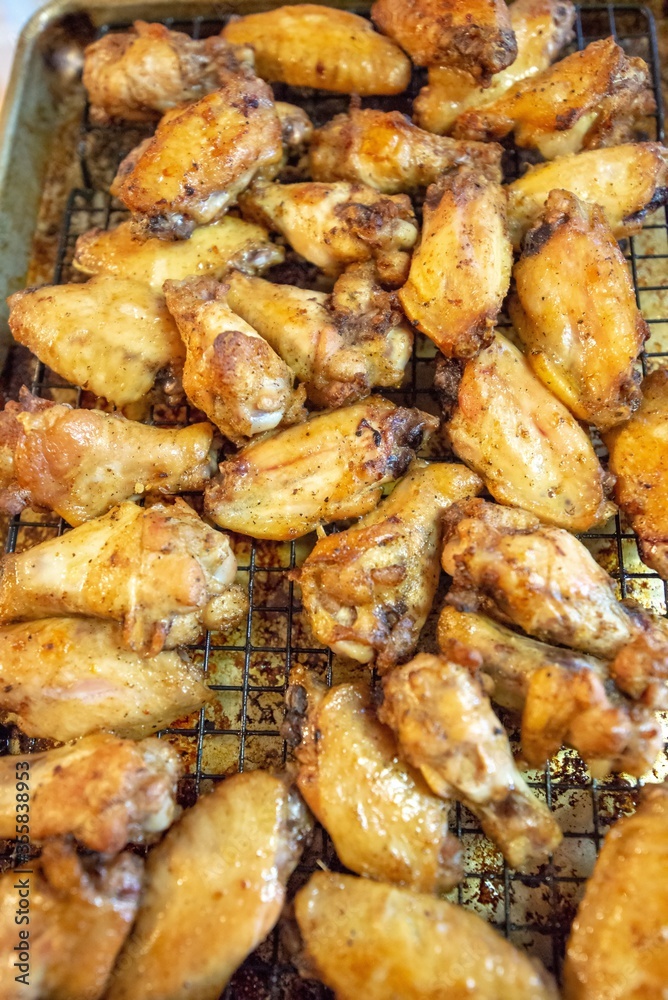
<point x="367" y="591"/>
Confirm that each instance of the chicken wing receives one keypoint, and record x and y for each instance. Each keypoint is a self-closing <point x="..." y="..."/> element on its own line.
<point x="104" y="791"/>
<point x="627" y="181"/>
<point x="331" y="467"/>
<point x="575" y="311"/>
<point x="508" y="427"/>
<point x="210" y="252"/>
<point x="383" y="820"/>
<point x="618" y="948"/>
<point x="215" y="887"/>
<point x="591" y="98"/>
<point x="446" y="727"/>
<point x="367" y="591"/>
<point x="365" y="939"/>
<point x="309" y="45"/>
<point x="639" y="460"/>
<point x="160" y="571"/>
<point x="231" y="373"/>
<point x="139" y="74"/>
<point x="460" y="272"/>
<point x="113" y="336"/>
<point x="334" y="225"/>
<point x="542" y="28"/>
<point x="79" y="463"/>
<point x="341" y="345"/>
<point x="563" y="697"/>
<point x="475" y="36"/>
<point x="200" y="159"/>
<point x="384" y="150"/>
<point x="62" y="678"/>
<point x="79" y="910"/>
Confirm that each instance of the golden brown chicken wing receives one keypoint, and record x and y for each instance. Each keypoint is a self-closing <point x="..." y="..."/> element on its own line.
<point x="331" y="467"/>
<point x="618" y="948"/>
<point x="113" y="336"/>
<point x="446" y="727"/>
<point x="384" y="150"/>
<point x="215" y="887"/>
<point x="542" y="28"/>
<point x="160" y="571"/>
<point x="367" y="591"/>
<point x="334" y="225"/>
<point x="383" y="820"/>
<point x="200" y="159"/>
<point x="460" y="272"/>
<point x="591" y="98"/>
<point x="508" y="427"/>
<point x="309" y="45"/>
<point x="62" y="678"/>
<point x="575" y="311"/>
<point x="230" y="373"/>
<point x="365" y="939"/>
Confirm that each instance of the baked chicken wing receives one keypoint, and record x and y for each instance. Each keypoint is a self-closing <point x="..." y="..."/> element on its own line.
<point x="331" y="467"/>
<point x="334" y="225"/>
<point x="542" y="28"/>
<point x="104" y="791"/>
<point x="530" y="451"/>
<point x="383" y="820"/>
<point x="574" y="309"/>
<point x="110" y="335"/>
<point x="215" y="887"/>
<point x="591" y="98"/>
<point x="230" y="373"/>
<point x="367" y="591"/>
<point x="200" y="159"/>
<point x="62" y="678"/>
<point x="365" y="939"/>
<point x="160" y="571"/>
<point x="309" y="45"/>
<point x="460" y="272"/>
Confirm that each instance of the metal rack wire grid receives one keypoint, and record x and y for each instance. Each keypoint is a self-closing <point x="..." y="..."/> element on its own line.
<point x="247" y="669"/>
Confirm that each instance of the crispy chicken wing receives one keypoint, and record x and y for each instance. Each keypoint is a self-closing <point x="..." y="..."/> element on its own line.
<point x="334" y="225"/>
<point x="446" y="727"/>
<point x="231" y="373"/>
<point x="331" y="467"/>
<point x="367" y="591"/>
<point x="591" y="98"/>
<point x="215" y="887"/>
<point x="475" y="36"/>
<point x="639" y="460"/>
<point x="460" y="272"/>
<point x="200" y="159"/>
<point x="341" y="345"/>
<point x="111" y="335"/>
<point x="384" y="150"/>
<point x="542" y="28"/>
<point x="160" y="571"/>
<point x="62" y="678"/>
<point x="105" y="791"/>
<point x="80" y="912"/>
<point x="365" y="939"/>
<point x="575" y="311"/>
<point x="508" y="427"/>
<point x="383" y="820"/>
<point x="564" y="697"/>
<point x="79" y="463"/>
<point x="309" y="45"/>
<point x="627" y="181"/>
<point x="618" y="948"/>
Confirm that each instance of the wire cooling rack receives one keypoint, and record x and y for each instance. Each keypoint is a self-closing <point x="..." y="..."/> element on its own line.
<point x="248" y="669"/>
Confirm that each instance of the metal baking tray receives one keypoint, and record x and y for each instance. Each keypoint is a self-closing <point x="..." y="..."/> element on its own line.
<point x="55" y="168"/>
